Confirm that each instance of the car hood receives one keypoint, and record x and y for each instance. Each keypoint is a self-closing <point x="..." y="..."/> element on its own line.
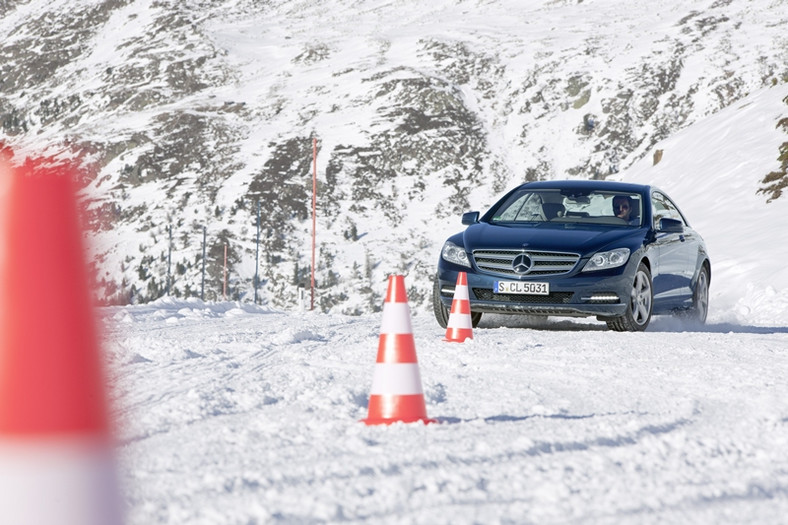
<point x="582" y="240"/>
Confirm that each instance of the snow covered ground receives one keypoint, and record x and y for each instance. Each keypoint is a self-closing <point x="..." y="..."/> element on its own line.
<point x="231" y="413"/>
<point x="238" y="415"/>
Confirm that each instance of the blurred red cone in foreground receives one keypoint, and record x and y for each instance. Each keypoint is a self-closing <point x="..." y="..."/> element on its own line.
<point x="56" y="464"/>
<point x="396" y="385"/>
<point x="460" y="327"/>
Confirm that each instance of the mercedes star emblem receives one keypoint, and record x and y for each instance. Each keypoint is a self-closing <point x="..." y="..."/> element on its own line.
<point x="522" y="264"/>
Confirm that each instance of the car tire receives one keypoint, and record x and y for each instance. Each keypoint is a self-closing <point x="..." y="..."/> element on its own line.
<point x="639" y="306"/>
<point x="442" y="313"/>
<point x="700" y="298"/>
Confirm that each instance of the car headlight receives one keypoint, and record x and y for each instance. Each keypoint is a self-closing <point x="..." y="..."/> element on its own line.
<point x="455" y="254"/>
<point x="607" y="260"/>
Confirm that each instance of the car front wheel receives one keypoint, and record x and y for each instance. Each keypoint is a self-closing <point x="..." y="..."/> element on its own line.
<point x="700" y="298"/>
<point x="641" y="299"/>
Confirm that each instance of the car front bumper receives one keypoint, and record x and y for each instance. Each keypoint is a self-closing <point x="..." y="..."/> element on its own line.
<point x="602" y="294"/>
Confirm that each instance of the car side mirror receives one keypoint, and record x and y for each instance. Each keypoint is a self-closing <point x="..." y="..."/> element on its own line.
<point x="471" y="217"/>
<point x="671" y="226"/>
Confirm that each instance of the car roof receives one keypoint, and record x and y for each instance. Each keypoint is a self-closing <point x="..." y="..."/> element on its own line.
<point x="588" y="185"/>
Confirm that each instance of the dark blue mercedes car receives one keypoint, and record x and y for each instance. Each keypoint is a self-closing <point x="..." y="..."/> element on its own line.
<point x="619" y="252"/>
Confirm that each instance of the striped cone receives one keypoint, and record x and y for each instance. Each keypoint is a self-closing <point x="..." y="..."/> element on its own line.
<point x="459" y="328"/>
<point x="56" y="460"/>
<point x="396" y="385"/>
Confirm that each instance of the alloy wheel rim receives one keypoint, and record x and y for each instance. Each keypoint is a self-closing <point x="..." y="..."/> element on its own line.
<point x="641" y="299"/>
<point x="703" y="296"/>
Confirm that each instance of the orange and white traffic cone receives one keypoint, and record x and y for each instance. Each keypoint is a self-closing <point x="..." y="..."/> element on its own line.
<point x="56" y="459"/>
<point x="396" y="393"/>
<point x="460" y="327"/>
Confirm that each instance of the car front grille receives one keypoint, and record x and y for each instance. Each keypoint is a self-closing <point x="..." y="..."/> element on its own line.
<point x="499" y="262"/>
<point x="485" y="294"/>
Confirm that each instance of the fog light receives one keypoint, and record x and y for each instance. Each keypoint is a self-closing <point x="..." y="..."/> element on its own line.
<point x="602" y="298"/>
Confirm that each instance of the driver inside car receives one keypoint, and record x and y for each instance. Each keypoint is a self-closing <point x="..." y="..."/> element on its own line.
<point x="623" y="209"/>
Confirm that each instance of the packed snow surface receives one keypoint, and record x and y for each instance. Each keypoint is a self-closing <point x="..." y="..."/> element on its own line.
<point x="237" y="414"/>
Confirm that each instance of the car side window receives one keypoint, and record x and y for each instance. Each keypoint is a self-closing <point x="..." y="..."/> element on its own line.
<point x="663" y="208"/>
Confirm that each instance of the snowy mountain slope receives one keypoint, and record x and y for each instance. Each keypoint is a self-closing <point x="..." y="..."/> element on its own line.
<point x="715" y="170"/>
<point x="185" y="114"/>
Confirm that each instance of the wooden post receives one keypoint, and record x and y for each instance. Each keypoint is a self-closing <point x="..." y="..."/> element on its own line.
<point x="202" y="286"/>
<point x="314" y="217"/>
<point x="257" y="255"/>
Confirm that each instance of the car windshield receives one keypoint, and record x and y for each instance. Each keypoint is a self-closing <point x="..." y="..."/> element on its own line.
<point x="567" y="206"/>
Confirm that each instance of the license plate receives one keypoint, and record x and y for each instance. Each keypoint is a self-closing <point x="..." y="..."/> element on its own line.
<point x="525" y="288"/>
